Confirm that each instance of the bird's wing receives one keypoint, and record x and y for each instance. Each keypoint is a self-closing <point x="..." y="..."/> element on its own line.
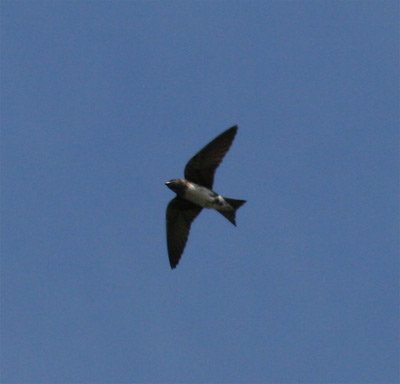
<point x="201" y="167"/>
<point x="180" y="214"/>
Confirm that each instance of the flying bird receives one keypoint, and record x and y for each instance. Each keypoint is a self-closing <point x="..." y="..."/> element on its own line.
<point x="194" y="193"/>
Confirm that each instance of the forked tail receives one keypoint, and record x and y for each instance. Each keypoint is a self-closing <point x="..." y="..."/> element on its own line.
<point x="231" y="214"/>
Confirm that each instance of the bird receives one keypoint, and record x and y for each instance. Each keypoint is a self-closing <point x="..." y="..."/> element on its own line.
<point x="194" y="192"/>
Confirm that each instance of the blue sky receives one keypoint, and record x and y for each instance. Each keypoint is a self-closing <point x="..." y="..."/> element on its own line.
<point x="104" y="101"/>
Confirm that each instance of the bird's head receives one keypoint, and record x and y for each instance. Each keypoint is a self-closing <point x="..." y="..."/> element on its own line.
<point x="176" y="185"/>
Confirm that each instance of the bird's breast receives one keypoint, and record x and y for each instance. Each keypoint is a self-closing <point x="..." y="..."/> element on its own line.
<point x="201" y="196"/>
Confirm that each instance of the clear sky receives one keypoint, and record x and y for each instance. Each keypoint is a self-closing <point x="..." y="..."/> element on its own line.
<point x="104" y="101"/>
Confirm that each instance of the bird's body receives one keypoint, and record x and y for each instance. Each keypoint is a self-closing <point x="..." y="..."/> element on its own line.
<point x="199" y="195"/>
<point x="194" y="193"/>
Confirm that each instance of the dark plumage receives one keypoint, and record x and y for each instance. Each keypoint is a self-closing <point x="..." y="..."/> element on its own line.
<point x="194" y="193"/>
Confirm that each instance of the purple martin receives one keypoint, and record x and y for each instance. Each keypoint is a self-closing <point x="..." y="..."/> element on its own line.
<point x="194" y="193"/>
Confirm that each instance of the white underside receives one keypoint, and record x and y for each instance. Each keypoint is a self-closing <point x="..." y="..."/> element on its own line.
<point x="205" y="198"/>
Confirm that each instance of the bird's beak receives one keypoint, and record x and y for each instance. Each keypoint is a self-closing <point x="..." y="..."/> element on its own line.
<point x="167" y="183"/>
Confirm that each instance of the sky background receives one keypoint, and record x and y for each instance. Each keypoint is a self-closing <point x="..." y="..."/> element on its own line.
<point x="104" y="101"/>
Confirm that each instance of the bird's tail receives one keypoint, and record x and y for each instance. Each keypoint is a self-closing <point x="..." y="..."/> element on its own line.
<point x="231" y="214"/>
